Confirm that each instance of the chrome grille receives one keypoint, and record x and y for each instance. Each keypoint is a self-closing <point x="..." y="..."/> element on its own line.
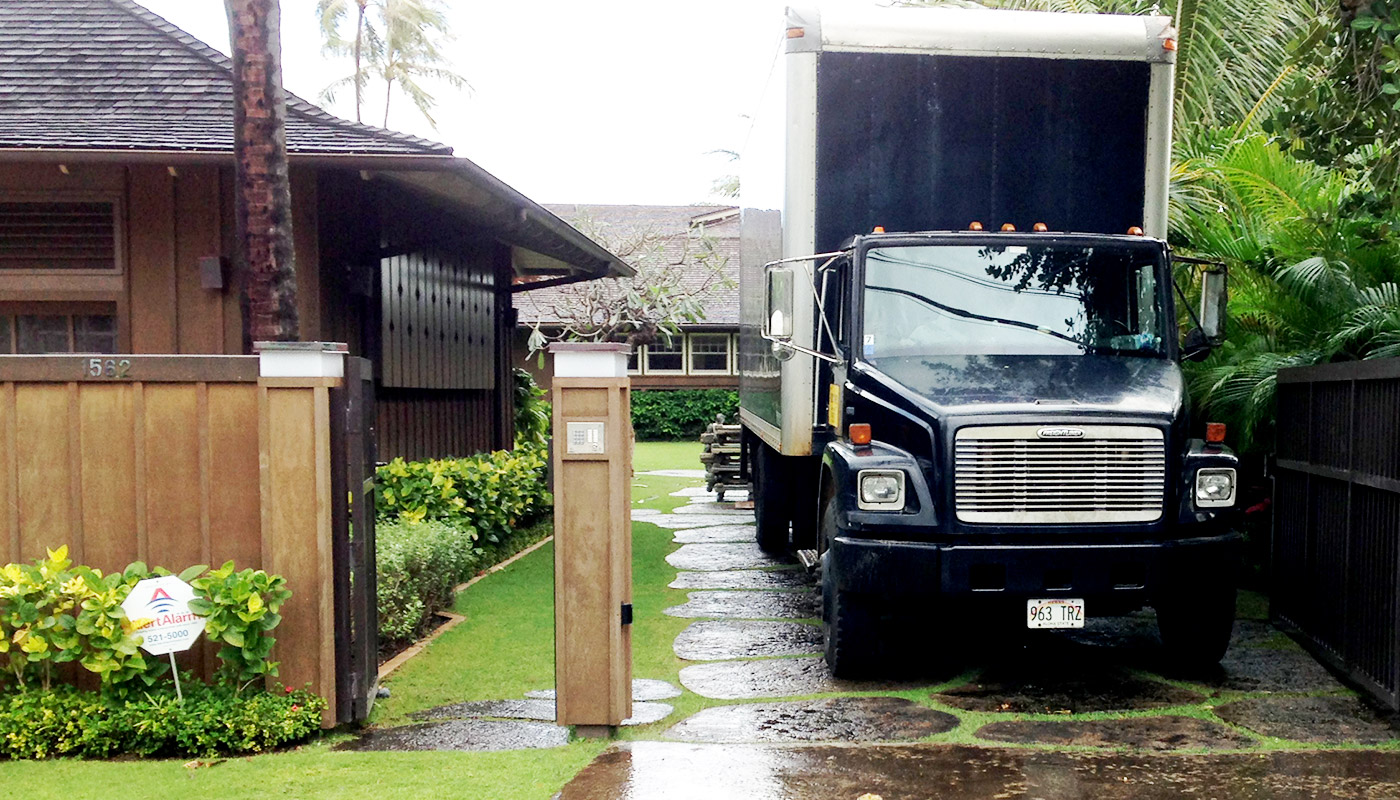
<point x="1008" y="473"/>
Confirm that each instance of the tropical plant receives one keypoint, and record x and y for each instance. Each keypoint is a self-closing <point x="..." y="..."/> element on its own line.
<point x="240" y="611"/>
<point x="399" y="42"/>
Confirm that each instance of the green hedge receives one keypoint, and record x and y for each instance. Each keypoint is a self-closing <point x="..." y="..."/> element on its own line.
<point x="212" y="720"/>
<point x="661" y="414"/>
<point x="443" y="521"/>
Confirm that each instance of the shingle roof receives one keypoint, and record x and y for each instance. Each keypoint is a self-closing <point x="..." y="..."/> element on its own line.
<point x="110" y="75"/>
<point x="673" y="230"/>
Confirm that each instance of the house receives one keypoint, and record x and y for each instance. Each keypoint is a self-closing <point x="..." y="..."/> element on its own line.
<point x="697" y="248"/>
<point x="117" y="225"/>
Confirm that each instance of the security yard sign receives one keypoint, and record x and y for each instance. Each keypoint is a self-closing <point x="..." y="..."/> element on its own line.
<point x="158" y="610"/>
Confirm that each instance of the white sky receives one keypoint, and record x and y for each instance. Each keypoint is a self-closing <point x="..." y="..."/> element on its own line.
<point x="611" y="101"/>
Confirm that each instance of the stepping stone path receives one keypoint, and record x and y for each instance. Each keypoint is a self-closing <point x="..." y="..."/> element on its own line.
<point x="749" y="605"/>
<point x="735" y="555"/>
<point x="716" y="640"/>
<point x="470" y="734"/>
<point x="717" y="534"/>
<point x="776" y="579"/>
<point x="643" y="690"/>
<point x="1142" y="733"/>
<point x="1090" y="688"/>
<point x="832" y="719"/>
<point x="543" y="710"/>
<point x="1329" y="720"/>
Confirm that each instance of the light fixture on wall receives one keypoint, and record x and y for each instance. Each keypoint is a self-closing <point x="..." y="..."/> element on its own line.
<point x="211" y="272"/>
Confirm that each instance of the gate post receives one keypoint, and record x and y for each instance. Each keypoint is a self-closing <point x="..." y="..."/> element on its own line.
<point x="593" y="536"/>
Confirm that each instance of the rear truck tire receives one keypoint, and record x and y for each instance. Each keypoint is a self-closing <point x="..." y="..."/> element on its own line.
<point x="771" y="500"/>
<point x="1195" y="628"/>
<point x="850" y="629"/>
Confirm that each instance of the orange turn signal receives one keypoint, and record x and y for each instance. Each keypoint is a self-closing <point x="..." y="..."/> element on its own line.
<point x="879" y="229"/>
<point x="796" y="33"/>
<point x="1215" y="432"/>
<point x="859" y="433"/>
<point x="1040" y="227"/>
<point x="1008" y="227"/>
<point x="1135" y="231"/>
<point x="975" y="226"/>
<point x="1168" y="44"/>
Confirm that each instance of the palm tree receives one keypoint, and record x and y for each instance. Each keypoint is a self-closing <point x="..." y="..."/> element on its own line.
<point x="263" y="198"/>
<point x="396" y="41"/>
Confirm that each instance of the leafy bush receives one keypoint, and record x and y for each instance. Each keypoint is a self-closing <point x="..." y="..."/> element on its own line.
<point x="532" y="412"/>
<point x="485" y="494"/>
<point x="419" y="564"/>
<point x="53" y="612"/>
<point x="211" y="720"/>
<point x="680" y="413"/>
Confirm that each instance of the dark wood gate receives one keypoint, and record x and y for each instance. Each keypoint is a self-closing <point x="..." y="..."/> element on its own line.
<point x="352" y="486"/>
<point x="1336" y="548"/>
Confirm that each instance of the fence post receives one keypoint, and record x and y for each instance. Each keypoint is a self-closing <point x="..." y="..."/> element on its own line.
<point x="294" y="430"/>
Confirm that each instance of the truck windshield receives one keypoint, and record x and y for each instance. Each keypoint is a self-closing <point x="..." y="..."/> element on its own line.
<point x="1012" y="300"/>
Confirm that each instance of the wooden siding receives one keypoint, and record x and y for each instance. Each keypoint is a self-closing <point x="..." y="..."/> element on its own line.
<point x="186" y="461"/>
<point x="426" y="423"/>
<point x="437" y="325"/>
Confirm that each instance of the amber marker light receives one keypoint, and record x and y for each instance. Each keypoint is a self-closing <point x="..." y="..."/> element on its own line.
<point x="859" y="432"/>
<point x="1215" y="432"/>
<point x="1008" y="227"/>
<point x="879" y="229"/>
<point x="975" y="226"/>
<point x="1169" y="44"/>
<point x="1135" y="231"/>
<point x="798" y="33"/>
<point x="1040" y="227"/>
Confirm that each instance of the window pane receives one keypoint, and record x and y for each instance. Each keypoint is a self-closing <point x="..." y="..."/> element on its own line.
<point x="709" y="352"/>
<point x="634" y="363"/>
<point x="94" y="334"/>
<point x="664" y="357"/>
<point x="42" y="334"/>
<point x="6" y="343"/>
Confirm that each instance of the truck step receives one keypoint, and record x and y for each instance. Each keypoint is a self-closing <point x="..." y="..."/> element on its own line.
<point x="808" y="559"/>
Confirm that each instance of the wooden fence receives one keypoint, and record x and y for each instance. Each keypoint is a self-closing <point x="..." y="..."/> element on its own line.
<point x="176" y="461"/>
<point x="1336" y="544"/>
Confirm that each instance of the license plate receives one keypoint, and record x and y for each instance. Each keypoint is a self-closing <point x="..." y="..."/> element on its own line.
<point x="1055" y="613"/>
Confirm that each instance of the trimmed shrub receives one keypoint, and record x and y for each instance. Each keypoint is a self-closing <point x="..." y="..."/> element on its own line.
<point x="662" y="414"/>
<point x="212" y="720"/>
<point x="419" y="564"/>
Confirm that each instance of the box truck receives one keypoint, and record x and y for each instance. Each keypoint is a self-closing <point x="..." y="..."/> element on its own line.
<point x="960" y="379"/>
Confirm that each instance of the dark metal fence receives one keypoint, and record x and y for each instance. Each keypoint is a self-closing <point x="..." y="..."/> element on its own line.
<point x="1336" y="544"/>
<point x="352" y="546"/>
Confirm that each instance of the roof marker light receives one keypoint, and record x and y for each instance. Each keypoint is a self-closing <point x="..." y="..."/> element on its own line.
<point x="1135" y="231"/>
<point x="975" y="226"/>
<point x="1008" y="227"/>
<point x="1040" y="227"/>
<point x="1215" y="432"/>
<point x="859" y="433"/>
<point x="798" y="33"/>
<point x="1169" y="44"/>
<point x="879" y="229"/>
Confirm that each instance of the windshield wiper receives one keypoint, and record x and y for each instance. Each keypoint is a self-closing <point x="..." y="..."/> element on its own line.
<point x="969" y="315"/>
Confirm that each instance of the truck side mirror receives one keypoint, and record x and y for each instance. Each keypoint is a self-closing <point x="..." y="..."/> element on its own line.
<point x="778" y="320"/>
<point x="1214" y="296"/>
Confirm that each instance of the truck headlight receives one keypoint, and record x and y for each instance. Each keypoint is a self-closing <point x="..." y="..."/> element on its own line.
<point x="1215" y="487"/>
<point x="881" y="489"/>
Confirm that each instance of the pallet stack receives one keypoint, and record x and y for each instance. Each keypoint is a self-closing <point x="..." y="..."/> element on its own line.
<point x="721" y="458"/>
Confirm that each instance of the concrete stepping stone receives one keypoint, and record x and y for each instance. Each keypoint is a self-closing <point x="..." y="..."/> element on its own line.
<point x="717" y="534"/>
<point x="679" y="521"/>
<point x="701" y="493"/>
<point x="643" y="690"/>
<point x="772" y="677"/>
<point x="832" y="719"/>
<point x="1084" y="688"/>
<point x="749" y="605"/>
<point x="1142" y="733"/>
<point x="675" y="473"/>
<point x="744" y="579"/>
<point x="533" y="709"/>
<point x="737" y="555"/>
<point x="1331" y="720"/>
<point x="468" y="734"/>
<point x="725" y="509"/>
<point x="717" y="640"/>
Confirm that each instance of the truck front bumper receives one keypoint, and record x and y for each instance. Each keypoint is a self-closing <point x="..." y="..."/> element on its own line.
<point x="1132" y="573"/>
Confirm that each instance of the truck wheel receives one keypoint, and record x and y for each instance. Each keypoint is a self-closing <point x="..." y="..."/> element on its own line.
<point x="848" y="627"/>
<point x="770" y="501"/>
<point x="1196" y="630"/>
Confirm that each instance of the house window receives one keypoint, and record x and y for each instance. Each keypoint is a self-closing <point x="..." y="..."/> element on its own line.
<point x="663" y="356"/>
<point x="36" y="330"/>
<point x="64" y="236"/>
<point x="709" y="352"/>
<point x="634" y="360"/>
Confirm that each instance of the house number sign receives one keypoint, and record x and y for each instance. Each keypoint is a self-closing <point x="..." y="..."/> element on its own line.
<point x="116" y="368"/>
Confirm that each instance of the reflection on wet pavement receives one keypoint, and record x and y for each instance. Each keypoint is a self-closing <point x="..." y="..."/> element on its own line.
<point x="832" y="719"/>
<point x="1141" y="733"/>
<point x="749" y="605"/>
<point x="743" y="579"/>
<point x="734" y="555"/>
<point x="1077" y="688"/>
<point x="772" y="677"/>
<point x="716" y="640"/>
<point x="674" y="771"/>
<point x="471" y="734"/>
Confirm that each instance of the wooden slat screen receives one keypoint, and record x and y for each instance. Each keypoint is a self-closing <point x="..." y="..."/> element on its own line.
<point x="438" y="321"/>
<point x="58" y="235"/>
<point x="423" y="423"/>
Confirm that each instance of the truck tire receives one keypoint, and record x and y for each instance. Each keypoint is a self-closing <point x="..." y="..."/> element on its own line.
<point x="771" y="508"/>
<point x="849" y="628"/>
<point x="1195" y="629"/>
